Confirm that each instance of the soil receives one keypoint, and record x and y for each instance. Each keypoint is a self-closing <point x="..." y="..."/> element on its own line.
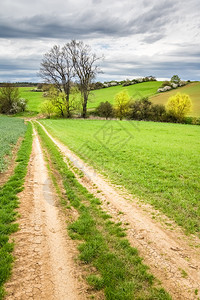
<point x="173" y="257"/>
<point x="44" y="266"/>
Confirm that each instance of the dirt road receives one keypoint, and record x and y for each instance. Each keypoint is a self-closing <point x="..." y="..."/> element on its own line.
<point x="44" y="266"/>
<point x="167" y="252"/>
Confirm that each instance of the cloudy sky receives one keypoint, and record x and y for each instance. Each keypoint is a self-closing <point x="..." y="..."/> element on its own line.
<point x="136" y="37"/>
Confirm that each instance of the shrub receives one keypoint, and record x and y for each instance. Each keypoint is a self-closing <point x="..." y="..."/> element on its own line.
<point x="104" y="109"/>
<point x="122" y="101"/>
<point x="179" y="106"/>
<point x="158" y="112"/>
<point x="166" y="83"/>
<point x="140" y="109"/>
<point x="144" y="109"/>
<point x="47" y="109"/>
<point x="9" y="97"/>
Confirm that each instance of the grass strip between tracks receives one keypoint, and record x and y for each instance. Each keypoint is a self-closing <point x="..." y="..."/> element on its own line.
<point x="120" y="271"/>
<point x="8" y="203"/>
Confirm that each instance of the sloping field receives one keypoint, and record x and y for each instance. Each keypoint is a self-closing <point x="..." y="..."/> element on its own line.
<point x="146" y="89"/>
<point x="155" y="162"/>
<point x="10" y="131"/>
<point x="108" y="94"/>
<point x="136" y="91"/>
<point x="192" y="89"/>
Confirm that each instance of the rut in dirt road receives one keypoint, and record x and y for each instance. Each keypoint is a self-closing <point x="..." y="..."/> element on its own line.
<point x="168" y="253"/>
<point x="44" y="266"/>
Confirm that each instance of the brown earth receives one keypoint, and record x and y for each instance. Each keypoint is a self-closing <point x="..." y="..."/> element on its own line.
<point x="173" y="257"/>
<point x="44" y="266"/>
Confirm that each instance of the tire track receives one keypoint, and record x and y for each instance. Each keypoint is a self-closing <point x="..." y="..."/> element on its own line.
<point x="44" y="266"/>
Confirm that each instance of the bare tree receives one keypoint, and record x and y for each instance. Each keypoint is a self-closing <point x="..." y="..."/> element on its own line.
<point x="84" y="63"/>
<point x="57" y="68"/>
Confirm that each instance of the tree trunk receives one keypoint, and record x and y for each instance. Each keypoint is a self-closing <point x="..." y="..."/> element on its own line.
<point x="84" y="113"/>
<point x="67" y="91"/>
<point x="67" y="104"/>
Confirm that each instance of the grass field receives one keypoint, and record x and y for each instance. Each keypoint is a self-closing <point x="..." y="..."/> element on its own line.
<point x="34" y="98"/>
<point x="119" y="270"/>
<point x="97" y="96"/>
<point x="192" y="89"/>
<point x="146" y="89"/>
<point x="135" y="91"/>
<point x="10" y="131"/>
<point x="156" y="162"/>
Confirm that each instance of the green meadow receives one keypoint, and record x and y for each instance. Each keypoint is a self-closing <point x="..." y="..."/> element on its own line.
<point x="34" y="99"/>
<point x="108" y="94"/>
<point x="137" y="91"/>
<point x="156" y="162"/>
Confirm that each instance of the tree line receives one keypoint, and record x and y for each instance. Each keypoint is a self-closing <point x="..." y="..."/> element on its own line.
<point x="175" y="110"/>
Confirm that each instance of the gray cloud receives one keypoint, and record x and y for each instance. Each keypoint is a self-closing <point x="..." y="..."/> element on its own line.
<point x="88" y="23"/>
<point x="137" y="37"/>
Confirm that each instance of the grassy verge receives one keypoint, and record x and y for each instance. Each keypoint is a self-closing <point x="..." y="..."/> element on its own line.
<point x="8" y="204"/>
<point x="156" y="162"/>
<point x="119" y="269"/>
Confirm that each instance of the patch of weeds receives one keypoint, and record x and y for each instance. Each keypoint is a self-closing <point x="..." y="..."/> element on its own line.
<point x="96" y="281"/>
<point x="183" y="273"/>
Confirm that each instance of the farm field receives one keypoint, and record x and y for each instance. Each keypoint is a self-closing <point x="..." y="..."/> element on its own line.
<point x="85" y="240"/>
<point x="10" y="131"/>
<point x="192" y="89"/>
<point x="156" y="162"/>
<point x="34" y="98"/>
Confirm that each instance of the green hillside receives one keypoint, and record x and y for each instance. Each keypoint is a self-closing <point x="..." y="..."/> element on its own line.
<point x="192" y="89"/>
<point x="136" y="91"/>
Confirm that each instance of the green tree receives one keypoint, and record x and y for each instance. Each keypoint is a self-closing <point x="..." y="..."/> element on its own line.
<point x="175" y="79"/>
<point x="9" y="97"/>
<point x="122" y="101"/>
<point x="105" y="109"/>
<point x="47" y="108"/>
<point x="58" y="101"/>
<point x="179" y="106"/>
